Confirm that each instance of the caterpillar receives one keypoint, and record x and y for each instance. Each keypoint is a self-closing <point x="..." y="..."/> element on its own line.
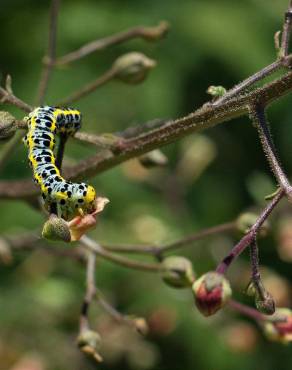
<point x="64" y="198"/>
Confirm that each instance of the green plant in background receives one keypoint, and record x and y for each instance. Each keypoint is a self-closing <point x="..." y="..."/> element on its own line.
<point x="100" y="336"/>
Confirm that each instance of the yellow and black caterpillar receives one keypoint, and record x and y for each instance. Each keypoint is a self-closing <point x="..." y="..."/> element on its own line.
<point x="64" y="198"/>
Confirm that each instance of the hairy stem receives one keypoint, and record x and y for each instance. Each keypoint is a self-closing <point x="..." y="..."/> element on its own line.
<point x="249" y="237"/>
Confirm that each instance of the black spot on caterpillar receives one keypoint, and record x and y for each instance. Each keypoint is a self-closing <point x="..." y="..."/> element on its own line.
<point x="63" y="197"/>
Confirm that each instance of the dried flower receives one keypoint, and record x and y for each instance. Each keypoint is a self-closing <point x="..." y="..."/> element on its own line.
<point x="212" y="291"/>
<point x="177" y="272"/>
<point x="80" y="225"/>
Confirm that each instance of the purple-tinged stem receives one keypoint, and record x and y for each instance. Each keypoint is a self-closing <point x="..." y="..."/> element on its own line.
<point x="247" y="239"/>
<point x="246" y="310"/>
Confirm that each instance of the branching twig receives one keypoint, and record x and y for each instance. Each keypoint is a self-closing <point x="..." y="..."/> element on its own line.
<point x="9" y="98"/>
<point x="147" y="33"/>
<point x="100" y="251"/>
<point x="172" y="130"/>
<point x="159" y="249"/>
<point x="87" y="89"/>
<point x="239" y="88"/>
<point x="247" y="311"/>
<point x="49" y="59"/>
<point x="251" y="234"/>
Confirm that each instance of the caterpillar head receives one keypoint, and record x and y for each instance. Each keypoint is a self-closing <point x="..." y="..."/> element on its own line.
<point x="90" y="199"/>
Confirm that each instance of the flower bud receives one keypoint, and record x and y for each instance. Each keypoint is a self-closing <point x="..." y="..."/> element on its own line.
<point x="246" y="220"/>
<point x="177" y="272"/>
<point x="216" y="90"/>
<point x="56" y="228"/>
<point x="7" y="125"/>
<point x="212" y="291"/>
<point x="279" y="329"/>
<point x="133" y="68"/>
<point x="89" y="342"/>
<point x="265" y="303"/>
<point x="153" y="159"/>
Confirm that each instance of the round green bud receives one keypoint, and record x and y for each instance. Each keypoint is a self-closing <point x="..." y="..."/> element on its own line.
<point x="132" y="68"/>
<point x="177" y="272"/>
<point x="56" y="229"/>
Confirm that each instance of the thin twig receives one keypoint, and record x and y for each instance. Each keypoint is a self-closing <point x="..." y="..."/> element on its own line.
<point x="239" y="88"/>
<point x="247" y="311"/>
<point x="251" y="234"/>
<point x="102" y="141"/>
<point x="9" y="98"/>
<point x="49" y="59"/>
<point x="147" y="33"/>
<point x="184" y="242"/>
<point x="286" y="33"/>
<point x="88" y="88"/>
<point x="90" y="290"/>
<point x="100" y="251"/>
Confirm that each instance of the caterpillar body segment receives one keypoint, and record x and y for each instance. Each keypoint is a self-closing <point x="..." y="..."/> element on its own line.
<point x="65" y="198"/>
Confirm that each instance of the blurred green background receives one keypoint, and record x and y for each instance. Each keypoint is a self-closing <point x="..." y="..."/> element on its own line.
<point x="210" y="179"/>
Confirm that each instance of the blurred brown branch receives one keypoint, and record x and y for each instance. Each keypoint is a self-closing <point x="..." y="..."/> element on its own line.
<point x="172" y="130"/>
<point x="146" y="33"/>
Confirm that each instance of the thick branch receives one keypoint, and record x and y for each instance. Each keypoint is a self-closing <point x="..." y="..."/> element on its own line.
<point x="172" y="130"/>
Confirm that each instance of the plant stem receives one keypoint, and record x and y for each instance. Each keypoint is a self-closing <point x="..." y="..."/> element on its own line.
<point x="88" y="88"/>
<point x="138" y="265"/>
<point x="247" y="239"/>
<point x="259" y="119"/>
<point x="147" y="33"/>
<point x="246" y="310"/>
<point x="49" y="59"/>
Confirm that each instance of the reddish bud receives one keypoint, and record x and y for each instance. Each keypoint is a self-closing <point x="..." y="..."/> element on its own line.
<point x="212" y="291"/>
<point x="279" y="329"/>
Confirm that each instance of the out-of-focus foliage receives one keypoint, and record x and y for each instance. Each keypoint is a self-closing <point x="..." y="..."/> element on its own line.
<point x="210" y="179"/>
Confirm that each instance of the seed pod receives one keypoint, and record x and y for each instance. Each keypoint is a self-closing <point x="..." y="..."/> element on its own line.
<point x="56" y="229"/>
<point x="7" y="126"/>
